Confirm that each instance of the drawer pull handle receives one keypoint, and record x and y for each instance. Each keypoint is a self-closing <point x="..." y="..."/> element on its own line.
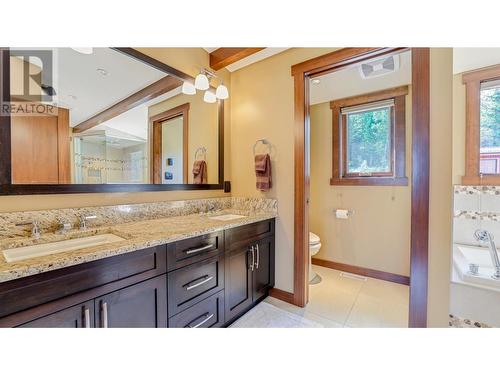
<point x="86" y="314"/>
<point x="252" y="264"/>
<point x="207" y="318"/>
<point x="195" y="283"/>
<point x="198" y="249"/>
<point x="258" y="257"/>
<point x="104" y="312"/>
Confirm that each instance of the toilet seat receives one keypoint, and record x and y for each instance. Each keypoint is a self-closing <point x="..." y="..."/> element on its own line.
<point x="313" y="239"/>
<point x="314" y="246"/>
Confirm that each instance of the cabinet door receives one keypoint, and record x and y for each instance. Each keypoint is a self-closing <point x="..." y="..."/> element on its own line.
<point x="143" y="305"/>
<point x="263" y="274"/>
<point x="79" y="316"/>
<point x="238" y="284"/>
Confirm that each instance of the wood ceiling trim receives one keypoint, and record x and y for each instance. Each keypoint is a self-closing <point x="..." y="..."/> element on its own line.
<point x="148" y="93"/>
<point x="222" y="57"/>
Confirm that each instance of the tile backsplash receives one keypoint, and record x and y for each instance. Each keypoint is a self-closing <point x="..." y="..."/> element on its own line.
<point x="475" y="207"/>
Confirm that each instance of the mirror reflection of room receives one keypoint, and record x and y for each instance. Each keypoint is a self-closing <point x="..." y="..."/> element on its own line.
<point x="103" y="127"/>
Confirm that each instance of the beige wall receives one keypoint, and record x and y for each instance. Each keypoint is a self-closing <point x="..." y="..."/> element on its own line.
<point x="203" y="130"/>
<point x="188" y="60"/>
<point x="377" y="236"/>
<point x="440" y="221"/>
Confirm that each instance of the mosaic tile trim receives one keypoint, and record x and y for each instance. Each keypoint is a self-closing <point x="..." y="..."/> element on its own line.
<point x="456" y="322"/>
<point x="472" y="190"/>
<point x="120" y="214"/>
<point x="477" y="215"/>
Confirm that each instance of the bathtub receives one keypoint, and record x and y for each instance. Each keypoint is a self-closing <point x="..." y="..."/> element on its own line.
<point x="464" y="255"/>
<point x="475" y="297"/>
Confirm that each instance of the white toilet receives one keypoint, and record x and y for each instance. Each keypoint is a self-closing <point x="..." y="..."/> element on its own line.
<point x="314" y="246"/>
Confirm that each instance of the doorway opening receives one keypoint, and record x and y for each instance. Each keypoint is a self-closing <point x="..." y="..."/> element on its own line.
<point x="355" y="166"/>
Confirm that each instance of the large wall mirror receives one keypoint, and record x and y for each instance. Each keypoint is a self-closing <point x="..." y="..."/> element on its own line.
<point x="104" y="119"/>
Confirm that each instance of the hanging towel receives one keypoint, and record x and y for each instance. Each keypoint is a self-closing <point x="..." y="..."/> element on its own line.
<point x="199" y="172"/>
<point x="263" y="172"/>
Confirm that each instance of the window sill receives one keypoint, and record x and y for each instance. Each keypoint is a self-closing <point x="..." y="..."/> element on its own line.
<point x="370" y="181"/>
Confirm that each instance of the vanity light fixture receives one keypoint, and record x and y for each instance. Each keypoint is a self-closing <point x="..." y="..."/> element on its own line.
<point x="209" y="97"/>
<point x="201" y="82"/>
<point x="222" y="92"/>
<point x="188" y="88"/>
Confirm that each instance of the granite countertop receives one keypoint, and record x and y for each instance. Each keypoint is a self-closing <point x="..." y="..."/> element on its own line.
<point x="138" y="235"/>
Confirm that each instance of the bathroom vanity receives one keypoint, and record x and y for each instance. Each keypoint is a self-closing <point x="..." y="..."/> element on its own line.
<point x="207" y="280"/>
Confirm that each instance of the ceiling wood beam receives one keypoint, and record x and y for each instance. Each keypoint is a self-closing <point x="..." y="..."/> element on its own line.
<point x="148" y="93"/>
<point x="222" y="57"/>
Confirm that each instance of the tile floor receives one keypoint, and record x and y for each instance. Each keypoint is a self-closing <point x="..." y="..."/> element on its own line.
<point x="340" y="301"/>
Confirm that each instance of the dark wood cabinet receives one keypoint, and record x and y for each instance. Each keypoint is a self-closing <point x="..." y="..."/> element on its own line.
<point x="79" y="316"/>
<point x="205" y="281"/>
<point x="142" y="305"/>
<point x="205" y="314"/>
<point x="249" y="276"/>
<point x="263" y="274"/>
<point x="238" y="291"/>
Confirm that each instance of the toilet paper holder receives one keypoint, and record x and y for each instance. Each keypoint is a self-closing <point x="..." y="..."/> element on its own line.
<point x="340" y="212"/>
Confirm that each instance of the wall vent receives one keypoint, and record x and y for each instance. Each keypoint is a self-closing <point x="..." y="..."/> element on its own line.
<point x="380" y="67"/>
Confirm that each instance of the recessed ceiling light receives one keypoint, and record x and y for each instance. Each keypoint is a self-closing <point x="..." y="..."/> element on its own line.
<point x="103" y="72"/>
<point x="316" y="81"/>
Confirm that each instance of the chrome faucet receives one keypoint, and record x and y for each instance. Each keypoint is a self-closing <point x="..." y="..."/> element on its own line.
<point x="35" y="228"/>
<point x="485" y="236"/>
<point x="63" y="227"/>
<point x="83" y="221"/>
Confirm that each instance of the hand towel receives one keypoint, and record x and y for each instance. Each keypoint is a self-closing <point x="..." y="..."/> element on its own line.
<point x="200" y="172"/>
<point x="263" y="172"/>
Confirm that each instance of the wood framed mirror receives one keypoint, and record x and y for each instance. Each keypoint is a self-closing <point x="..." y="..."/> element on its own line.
<point x="83" y="120"/>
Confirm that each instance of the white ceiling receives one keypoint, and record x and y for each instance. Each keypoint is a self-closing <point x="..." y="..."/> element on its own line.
<point x="261" y="55"/>
<point x="348" y="82"/>
<point x="465" y="59"/>
<point x="77" y="76"/>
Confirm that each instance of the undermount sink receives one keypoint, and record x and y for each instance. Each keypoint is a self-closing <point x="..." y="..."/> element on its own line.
<point x="227" y="217"/>
<point x="33" y="251"/>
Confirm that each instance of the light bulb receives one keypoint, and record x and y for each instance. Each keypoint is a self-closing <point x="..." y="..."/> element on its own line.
<point x="201" y="82"/>
<point x="209" y="97"/>
<point x="84" y="50"/>
<point x="222" y="92"/>
<point x="188" y="88"/>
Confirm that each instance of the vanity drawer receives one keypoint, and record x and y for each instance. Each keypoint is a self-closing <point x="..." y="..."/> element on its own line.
<point x="186" y="252"/>
<point x="205" y="314"/>
<point x="35" y="290"/>
<point x="241" y="236"/>
<point x="189" y="285"/>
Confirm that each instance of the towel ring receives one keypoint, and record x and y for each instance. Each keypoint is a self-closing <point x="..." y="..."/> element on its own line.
<point x="203" y="150"/>
<point x="264" y="142"/>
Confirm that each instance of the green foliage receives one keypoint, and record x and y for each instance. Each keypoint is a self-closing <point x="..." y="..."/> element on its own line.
<point x="368" y="138"/>
<point x="490" y="117"/>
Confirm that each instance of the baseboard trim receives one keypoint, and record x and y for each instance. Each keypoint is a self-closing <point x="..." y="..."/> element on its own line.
<point x="282" y="295"/>
<point x="382" y="275"/>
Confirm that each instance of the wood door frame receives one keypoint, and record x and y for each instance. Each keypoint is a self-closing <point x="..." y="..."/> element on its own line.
<point x="419" y="246"/>
<point x="156" y="149"/>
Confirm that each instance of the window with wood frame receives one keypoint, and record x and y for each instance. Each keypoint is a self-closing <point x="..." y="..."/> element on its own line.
<point x="482" y="143"/>
<point x="369" y="138"/>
